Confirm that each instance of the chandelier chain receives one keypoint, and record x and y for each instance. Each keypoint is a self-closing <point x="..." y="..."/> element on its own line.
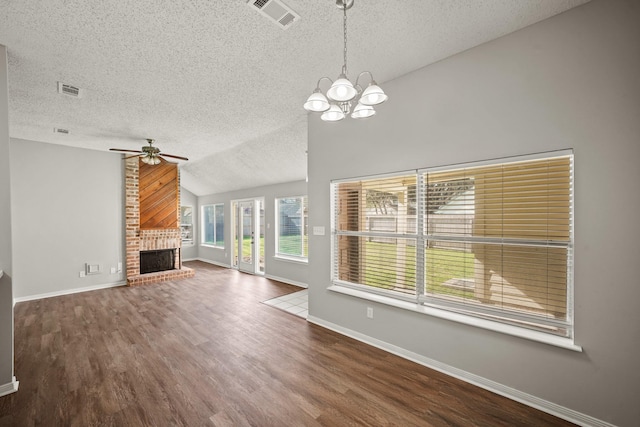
<point x="344" y="8"/>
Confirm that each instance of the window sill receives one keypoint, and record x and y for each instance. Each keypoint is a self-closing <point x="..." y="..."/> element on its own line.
<point x="211" y="246"/>
<point x="515" y="331"/>
<point x="292" y="259"/>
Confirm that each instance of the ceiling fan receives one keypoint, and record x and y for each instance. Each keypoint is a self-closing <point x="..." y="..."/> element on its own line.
<point x="150" y="155"/>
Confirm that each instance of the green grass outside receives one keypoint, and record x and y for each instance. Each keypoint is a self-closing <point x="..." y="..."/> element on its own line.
<point x="246" y="246"/>
<point x="441" y="265"/>
<point x="291" y="245"/>
<point x="458" y="265"/>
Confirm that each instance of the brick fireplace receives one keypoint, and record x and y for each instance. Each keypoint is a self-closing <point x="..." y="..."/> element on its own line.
<point x="152" y="209"/>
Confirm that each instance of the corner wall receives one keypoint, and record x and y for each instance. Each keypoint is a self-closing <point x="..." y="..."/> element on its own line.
<point x="568" y="82"/>
<point x="7" y="381"/>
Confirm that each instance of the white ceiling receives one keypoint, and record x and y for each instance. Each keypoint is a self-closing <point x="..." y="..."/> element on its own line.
<point x="215" y="80"/>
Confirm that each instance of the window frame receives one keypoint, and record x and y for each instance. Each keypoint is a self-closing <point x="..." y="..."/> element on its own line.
<point x="203" y="226"/>
<point x="184" y="226"/>
<point x="304" y="227"/>
<point x="421" y="302"/>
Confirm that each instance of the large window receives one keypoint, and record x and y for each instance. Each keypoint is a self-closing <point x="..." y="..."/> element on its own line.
<point x="292" y="231"/>
<point x="490" y="240"/>
<point x="213" y="225"/>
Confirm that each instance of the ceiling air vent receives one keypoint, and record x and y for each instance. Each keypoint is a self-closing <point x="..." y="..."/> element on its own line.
<point x="66" y="89"/>
<point x="276" y="11"/>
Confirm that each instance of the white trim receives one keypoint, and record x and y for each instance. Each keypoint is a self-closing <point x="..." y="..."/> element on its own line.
<point x="510" y="159"/>
<point x="208" y="261"/>
<point x="209" y="245"/>
<point x="190" y="259"/>
<point x="68" y="292"/>
<point x="295" y="260"/>
<point x="516" y="331"/>
<point x="374" y="176"/>
<point x="9" y="388"/>
<point x="287" y="281"/>
<point x="503" y="390"/>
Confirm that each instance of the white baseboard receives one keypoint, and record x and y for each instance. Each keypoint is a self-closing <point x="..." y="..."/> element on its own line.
<point x="9" y="388"/>
<point x="268" y="276"/>
<point x="208" y="261"/>
<point x="508" y="392"/>
<point x="68" y="292"/>
<point x="287" y="281"/>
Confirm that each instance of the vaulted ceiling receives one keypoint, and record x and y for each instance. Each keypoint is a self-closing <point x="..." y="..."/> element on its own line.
<point x="216" y="81"/>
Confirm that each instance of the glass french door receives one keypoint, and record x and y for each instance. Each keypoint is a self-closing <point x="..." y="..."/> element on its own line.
<point x="249" y="236"/>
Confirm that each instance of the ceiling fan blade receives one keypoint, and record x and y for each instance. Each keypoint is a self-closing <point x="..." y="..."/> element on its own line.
<point x="125" y="151"/>
<point x="175" y="157"/>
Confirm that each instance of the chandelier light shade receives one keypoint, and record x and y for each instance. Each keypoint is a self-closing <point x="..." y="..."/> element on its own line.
<point x="362" y="111"/>
<point x="317" y="102"/>
<point x="342" y="90"/>
<point x="373" y="95"/>
<point x="333" y="114"/>
<point x="343" y="94"/>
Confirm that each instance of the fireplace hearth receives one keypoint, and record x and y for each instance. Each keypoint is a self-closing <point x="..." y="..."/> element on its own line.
<point x="158" y="260"/>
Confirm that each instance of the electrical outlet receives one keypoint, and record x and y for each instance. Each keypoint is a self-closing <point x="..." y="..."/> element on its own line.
<point x="370" y="312"/>
<point x="113" y="270"/>
<point x="81" y="274"/>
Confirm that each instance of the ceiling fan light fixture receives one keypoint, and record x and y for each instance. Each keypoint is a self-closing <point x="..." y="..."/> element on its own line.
<point x="149" y="154"/>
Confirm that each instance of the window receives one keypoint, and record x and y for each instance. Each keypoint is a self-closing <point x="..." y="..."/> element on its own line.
<point x="186" y="224"/>
<point x="292" y="232"/>
<point x="213" y="225"/>
<point x="490" y="240"/>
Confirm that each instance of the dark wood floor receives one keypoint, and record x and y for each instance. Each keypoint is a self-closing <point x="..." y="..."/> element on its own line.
<point x="205" y="351"/>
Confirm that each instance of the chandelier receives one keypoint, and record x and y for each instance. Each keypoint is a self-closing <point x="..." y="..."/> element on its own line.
<point x="343" y="94"/>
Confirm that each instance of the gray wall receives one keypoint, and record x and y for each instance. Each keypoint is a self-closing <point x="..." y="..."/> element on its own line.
<point x="187" y="198"/>
<point x="568" y="82"/>
<point x="68" y="210"/>
<point x="6" y="297"/>
<point x="290" y="271"/>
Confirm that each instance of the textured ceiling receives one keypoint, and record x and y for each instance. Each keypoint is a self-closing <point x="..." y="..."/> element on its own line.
<point x="215" y="80"/>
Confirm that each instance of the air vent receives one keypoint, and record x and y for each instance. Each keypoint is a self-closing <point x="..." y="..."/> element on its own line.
<point x="69" y="90"/>
<point x="276" y="11"/>
<point x="60" y="130"/>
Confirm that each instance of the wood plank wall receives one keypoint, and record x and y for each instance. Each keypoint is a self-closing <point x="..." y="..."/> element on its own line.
<point x="159" y="204"/>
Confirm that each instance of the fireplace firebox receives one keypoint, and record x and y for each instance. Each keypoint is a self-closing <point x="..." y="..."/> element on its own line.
<point x="158" y="260"/>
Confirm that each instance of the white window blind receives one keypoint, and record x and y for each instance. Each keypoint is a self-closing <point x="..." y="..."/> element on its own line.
<point x="213" y="225"/>
<point x="375" y="227"/>
<point x="292" y="225"/>
<point x="491" y="240"/>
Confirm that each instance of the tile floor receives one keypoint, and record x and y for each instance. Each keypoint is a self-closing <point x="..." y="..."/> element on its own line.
<point x="296" y="303"/>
